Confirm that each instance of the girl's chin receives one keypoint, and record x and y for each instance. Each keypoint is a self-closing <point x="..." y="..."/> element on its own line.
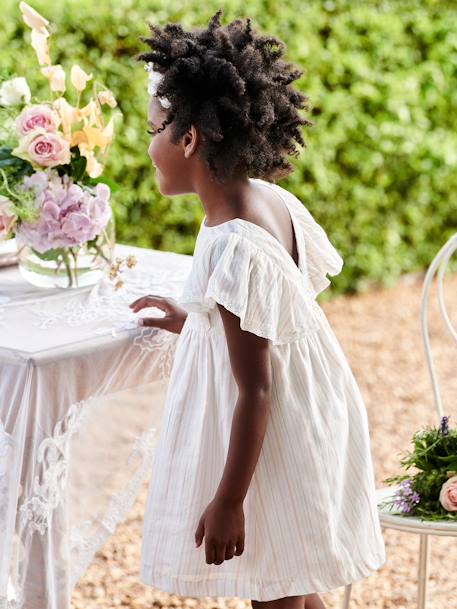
<point x="164" y="187"/>
<point x="161" y="185"/>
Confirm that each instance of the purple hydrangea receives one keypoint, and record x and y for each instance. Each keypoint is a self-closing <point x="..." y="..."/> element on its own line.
<point x="69" y="214"/>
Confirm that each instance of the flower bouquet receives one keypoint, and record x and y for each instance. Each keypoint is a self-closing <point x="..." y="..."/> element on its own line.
<point x="52" y="154"/>
<point x="431" y="493"/>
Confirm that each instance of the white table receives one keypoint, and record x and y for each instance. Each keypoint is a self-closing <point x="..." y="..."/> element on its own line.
<point x="82" y="389"/>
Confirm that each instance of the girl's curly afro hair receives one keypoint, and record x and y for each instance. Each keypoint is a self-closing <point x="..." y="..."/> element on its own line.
<point x="232" y="84"/>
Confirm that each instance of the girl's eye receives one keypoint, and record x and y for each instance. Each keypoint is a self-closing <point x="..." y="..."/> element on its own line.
<point x="151" y="132"/>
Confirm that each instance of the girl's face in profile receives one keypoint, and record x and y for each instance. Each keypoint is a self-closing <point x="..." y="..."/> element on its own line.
<point x="168" y="158"/>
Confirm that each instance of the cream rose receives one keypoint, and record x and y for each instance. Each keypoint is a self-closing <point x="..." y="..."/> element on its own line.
<point x="35" y="116"/>
<point x="448" y="495"/>
<point x="7" y="217"/>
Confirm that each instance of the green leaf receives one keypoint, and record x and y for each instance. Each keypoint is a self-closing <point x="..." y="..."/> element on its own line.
<point x="7" y="162"/>
<point x="111" y="183"/>
<point x="52" y="254"/>
<point x="5" y="152"/>
<point x="78" y="167"/>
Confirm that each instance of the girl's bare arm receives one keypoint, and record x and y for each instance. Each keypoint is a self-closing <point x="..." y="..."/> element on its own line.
<point x="222" y="522"/>
<point x="250" y="362"/>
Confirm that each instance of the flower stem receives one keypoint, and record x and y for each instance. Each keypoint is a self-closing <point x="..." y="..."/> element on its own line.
<point x="67" y="261"/>
<point x="100" y="253"/>
<point x="105" y="235"/>
<point x="5" y="184"/>
<point x="75" y="258"/>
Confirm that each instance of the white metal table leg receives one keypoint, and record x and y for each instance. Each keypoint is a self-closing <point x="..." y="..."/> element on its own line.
<point x="347" y="596"/>
<point x="423" y="572"/>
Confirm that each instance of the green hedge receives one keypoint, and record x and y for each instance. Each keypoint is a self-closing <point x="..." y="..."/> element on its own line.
<point x="379" y="172"/>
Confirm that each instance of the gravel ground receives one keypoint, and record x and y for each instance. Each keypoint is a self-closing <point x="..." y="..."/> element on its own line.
<point x="381" y="336"/>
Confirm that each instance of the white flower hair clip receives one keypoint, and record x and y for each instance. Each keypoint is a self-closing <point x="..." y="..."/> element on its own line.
<point x="154" y="79"/>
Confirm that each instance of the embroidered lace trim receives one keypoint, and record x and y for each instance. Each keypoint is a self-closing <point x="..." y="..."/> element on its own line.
<point x="49" y="486"/>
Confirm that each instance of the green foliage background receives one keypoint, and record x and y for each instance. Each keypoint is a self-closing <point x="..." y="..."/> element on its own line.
<point x="379" y="170"/>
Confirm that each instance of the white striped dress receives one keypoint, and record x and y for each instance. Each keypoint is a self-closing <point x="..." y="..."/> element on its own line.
<point x="311" y="522"/>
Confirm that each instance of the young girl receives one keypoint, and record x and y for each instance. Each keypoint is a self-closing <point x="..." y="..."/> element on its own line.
<point x="263" y="484"/>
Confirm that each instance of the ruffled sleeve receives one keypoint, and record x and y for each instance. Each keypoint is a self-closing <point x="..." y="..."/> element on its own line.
<point x="235" y="273"/>
<point x="321" y="256"/>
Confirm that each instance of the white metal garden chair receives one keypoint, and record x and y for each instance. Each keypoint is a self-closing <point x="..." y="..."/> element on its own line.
<point x="389" y="519"/>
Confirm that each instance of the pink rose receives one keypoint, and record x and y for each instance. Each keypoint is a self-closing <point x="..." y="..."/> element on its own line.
<point x="448" y="495"/>
<point x="7" y="217"/>
<point x="37" y="116"/>
<point x="47" y="149"/>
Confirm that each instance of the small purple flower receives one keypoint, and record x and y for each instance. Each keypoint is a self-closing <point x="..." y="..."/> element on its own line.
<point x="405" y="498"/>
<point x="444" y="427"/>
<point x="415" y="497"/>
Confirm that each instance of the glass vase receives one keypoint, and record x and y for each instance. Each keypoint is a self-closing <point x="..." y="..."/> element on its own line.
<point x="69" y="267"/>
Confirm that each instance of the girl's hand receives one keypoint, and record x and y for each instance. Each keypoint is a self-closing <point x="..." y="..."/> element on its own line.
<point x="174" y="318"/>
<point x="222" y="525"/>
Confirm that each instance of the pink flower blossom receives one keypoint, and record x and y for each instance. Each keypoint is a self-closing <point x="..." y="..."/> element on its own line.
<point x="7" y="217"/>
<point x="39" y="115"/>
<point x="70" y="214"/>
<point x="448" y="494"/>
<point x="49" y="150"/>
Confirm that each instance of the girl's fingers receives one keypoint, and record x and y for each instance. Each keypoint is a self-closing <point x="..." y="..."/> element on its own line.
<point x="239" y="546"/>
<point x="138" y="301"/>
<point x="210" y="551"/>
<point x="144" y="300"/>
<point x="220" y="554"/>
<point x="229" y="551"/>
<point x="148" y="301"/>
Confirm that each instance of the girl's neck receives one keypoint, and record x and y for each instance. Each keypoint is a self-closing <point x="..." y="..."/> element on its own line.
<point x="223" y="201"/>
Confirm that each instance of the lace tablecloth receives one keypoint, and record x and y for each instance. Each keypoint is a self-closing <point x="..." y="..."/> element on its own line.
<point x="82" y="388"/>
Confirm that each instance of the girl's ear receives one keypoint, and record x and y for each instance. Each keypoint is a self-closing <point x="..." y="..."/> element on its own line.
<point x="191" y="141"/>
